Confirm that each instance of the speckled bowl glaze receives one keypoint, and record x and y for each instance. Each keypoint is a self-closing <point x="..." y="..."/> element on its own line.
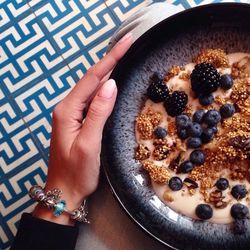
<point x="175" y="40"/>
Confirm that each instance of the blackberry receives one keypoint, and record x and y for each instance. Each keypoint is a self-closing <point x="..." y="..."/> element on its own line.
<point x="204" y="211"/>
<point x="157" y="91"/>
<point x="176" y="103"/>
<point x="205" y="79"/>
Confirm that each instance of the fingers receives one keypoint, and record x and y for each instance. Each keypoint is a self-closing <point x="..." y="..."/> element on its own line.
<point x="88" y="84"/>
<point x="98" y="113"/>
<point x="111" y="59"/>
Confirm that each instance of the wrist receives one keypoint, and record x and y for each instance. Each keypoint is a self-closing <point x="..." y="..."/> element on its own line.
<point x="54" y="206"/>
<point x="44" y="213"/>
<point x="73" y="199"/>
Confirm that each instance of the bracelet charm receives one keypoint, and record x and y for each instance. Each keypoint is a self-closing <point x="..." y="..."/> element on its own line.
<point x="59" y="208"/>
<point x="51" y="200"/>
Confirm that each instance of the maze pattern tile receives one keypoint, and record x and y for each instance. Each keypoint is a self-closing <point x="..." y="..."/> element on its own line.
<point x="18" y="170"/>
<point x="75" y="26"/>
<point x="12" y="10"/>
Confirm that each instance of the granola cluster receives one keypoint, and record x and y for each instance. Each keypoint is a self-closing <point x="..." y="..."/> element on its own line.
<point x="147" y="122"/>
<point x="173" y="71"/>
<point x="241" y="69"/>
<point x="216" y="57"/>
<point x="159" y="174"/>
<point x="142" y="152"/>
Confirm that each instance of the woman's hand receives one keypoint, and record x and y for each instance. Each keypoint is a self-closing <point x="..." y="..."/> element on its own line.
<point x="74" y="162"/>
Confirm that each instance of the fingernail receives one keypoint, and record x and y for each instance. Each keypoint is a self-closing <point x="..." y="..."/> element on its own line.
<point x="107" y="89"/>
<point x="124" y="38"/>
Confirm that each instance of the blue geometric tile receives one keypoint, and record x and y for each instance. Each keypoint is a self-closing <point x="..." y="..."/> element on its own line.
<point x="36" y="4"/>
<point x="3" y="98"/>
<point x="27" y="55"/>
<point x="11" y="11"/>
<point x="14" y="199"/>
<point x="74" y="26"/>
<point x="18" y="170"/>
<point x="37" y="103"/>
<point x="16" y="143"/>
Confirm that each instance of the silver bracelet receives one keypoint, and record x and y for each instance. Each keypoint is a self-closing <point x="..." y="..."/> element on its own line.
<point x="51" y="200"/>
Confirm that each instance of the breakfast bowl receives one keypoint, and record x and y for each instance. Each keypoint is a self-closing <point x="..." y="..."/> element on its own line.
<point x="174" y="41"/>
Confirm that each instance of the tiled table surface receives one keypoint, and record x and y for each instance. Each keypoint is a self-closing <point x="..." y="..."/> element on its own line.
<point x="45" y="48"/>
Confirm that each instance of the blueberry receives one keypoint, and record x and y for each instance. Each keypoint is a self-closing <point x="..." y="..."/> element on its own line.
<point x="227" y="110"/>
<point x="195" y="130"/>
<point x="212" y="117"/>
<point x="197" y="157"/>
<point x="215" y="129"/>
<point x="222" y="184"/>
<point x="226" y="81"/>
<point x="198" y="116"/>
<point x="186" y="166"/>
<point x="206" y="100"/>
<point x="182" y="121"/>
<point x="160" y="132"/>
<point x="182" y="133"/>
<point x="239" y="211"/>
<point x="239" y="192"/>
<point x="207" y="135"/>
<point x="156" y="76"/>
<point x="194" y="142"/>
<point x="204" y="211"/>
<point x="175" y="183"/>
<point x="240" y="226"/>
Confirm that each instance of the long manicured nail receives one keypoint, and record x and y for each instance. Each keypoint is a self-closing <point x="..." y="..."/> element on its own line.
<point x="126" y="37"/>
<point x="108" y="88"/>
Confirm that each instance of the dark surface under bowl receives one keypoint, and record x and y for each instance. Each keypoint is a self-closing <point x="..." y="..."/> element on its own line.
<point x="175" y="40"/>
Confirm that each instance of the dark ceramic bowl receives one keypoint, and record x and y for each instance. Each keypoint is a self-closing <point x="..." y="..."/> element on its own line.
<point x="176" y="40"/>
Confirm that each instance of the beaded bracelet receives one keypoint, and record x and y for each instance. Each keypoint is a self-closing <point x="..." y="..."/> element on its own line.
<point x="51" y="200"/>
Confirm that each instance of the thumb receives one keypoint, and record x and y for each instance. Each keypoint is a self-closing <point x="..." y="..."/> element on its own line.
<point x="99" y="111"/>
